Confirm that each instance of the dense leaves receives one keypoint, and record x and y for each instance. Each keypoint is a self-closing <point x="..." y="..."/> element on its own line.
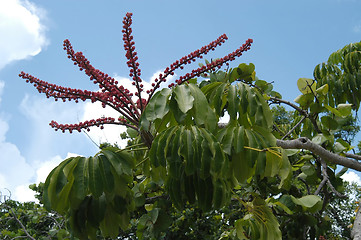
<point x="93" y="191"/>
<point x="210" y="148"/>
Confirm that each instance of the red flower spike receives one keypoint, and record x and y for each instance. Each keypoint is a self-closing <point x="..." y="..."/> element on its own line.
<point x="118" y="97"/>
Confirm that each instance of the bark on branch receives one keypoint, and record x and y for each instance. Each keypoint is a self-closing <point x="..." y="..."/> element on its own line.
<point x="356" y="229"/>
<point x="305" y="143"/>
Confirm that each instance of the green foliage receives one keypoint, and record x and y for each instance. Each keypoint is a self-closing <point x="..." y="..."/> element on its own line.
<point x="211" y="156"/>
<point x="16" y="218"/>
<point x="93" y="192"/>
<point x="342" y="74"/>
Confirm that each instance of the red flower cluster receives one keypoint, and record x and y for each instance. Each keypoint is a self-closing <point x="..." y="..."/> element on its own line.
<point x="85" y="125"/>
<point x="187" y="60"/>
<point x="116" y="96"/>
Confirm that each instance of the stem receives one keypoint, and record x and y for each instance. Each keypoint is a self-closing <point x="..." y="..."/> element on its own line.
<point x="141" y="162"/>
<point x="129" y="147"/>
<point x="20" y="223"/>
<point x="294" y="127"/>
<point x="300" y="110"/>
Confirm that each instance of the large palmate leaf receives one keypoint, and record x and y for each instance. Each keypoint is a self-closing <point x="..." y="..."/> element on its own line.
<point x="259" y="223"/>
<point x="93" y="192"/>
<point x="195" y="164"/>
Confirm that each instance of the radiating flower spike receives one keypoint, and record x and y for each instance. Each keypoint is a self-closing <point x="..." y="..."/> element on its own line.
<point x="186" y="60"/>
<point x="132" y="57"/>
<point x="117" y="96"/>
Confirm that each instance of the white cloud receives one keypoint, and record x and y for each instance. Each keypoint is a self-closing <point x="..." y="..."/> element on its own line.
<point x="16" y="173"/>
<point x="22" y="33"/>
<point x="110" y="133"/>
<point x="40" y="111"/>
<point x="22" y="191"/>
<point x="45" y="168"/>
<point x="352" y="177"/>
<point x="14" y="168"/>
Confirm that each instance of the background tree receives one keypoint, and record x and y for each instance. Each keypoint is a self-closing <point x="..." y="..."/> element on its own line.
<point x="30" y="220"/>
<point x="253" y="177"/>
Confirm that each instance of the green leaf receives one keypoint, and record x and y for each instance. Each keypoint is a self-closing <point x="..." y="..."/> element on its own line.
<point x="308" y="169"/>
<point x="319" y="139"/>
<point x="132" y="132"/>
<point x="187" y="152"/>
<point x="285" y="172"/>
<point x="338" y="147"/>
<point x="305" y="100"/>
<point x="234" y="75"/>
<point x="238" y="139"/>
<point x="333" y="110"/>
<point x="96" y="210"/>
<point x="95" y="180"/>
<point x="309" y="203"/>
<point x="106" y="173"/>
<point x="233" y="102"/>
<point x="306" y="85"/>
<point x="246" y="72"/>
<point x="283" y="207"/>
<point x="323" y="90"/>
<point x="344" y="109"/>
<point x="217" y="99"/>
<point x="80" y="185"/>
<point x="122" y="162"/>
<point x="57" y="184"/>
<point x="107" y="226"/>
<point x="175" y="164"/>
<point x="159" y="148"/>
<point x="184" y="98"/>
<point x="206" y="160"/>
<point x="158" y="106"/>
<point x="241" y="167"/>
<point x="329" y="123"/>
<point x="273" y="163"/>
<point x="240" y="230"/>
<point x="202" y="113"/>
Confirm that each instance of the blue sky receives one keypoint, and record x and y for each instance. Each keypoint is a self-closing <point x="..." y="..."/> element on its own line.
<point x="290" y="39"/>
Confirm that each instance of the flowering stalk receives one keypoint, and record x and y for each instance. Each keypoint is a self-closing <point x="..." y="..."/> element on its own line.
<point x="186" y="60"/>
<point x="116" y="96"/>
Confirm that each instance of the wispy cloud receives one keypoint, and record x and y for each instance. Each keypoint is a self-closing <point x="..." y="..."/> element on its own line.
<point x="21" y="30"/>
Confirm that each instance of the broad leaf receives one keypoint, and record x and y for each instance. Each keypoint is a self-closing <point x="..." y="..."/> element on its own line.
<point x="184" y="98"/>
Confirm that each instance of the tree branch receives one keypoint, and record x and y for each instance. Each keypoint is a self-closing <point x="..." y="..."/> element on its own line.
<point x="354" y="156"/>
<point x="20" y="223"/>
<point x="305" y="143"/>
<point x="294" y="127"/>
<point x="297" y="108"/>
<point x="327" y="181"/>
<point x="356" y="229"/>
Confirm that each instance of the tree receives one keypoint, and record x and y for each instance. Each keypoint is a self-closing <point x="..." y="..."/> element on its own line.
<point x="247" y="178"/>
<point x="30" y="220"/>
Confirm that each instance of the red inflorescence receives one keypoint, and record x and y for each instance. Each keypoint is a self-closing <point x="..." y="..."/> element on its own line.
<point x="118" y="97"/>
<point x="83" y="125"/>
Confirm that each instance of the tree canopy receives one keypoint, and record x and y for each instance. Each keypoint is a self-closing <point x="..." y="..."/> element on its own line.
<point x="207" y="156"/>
